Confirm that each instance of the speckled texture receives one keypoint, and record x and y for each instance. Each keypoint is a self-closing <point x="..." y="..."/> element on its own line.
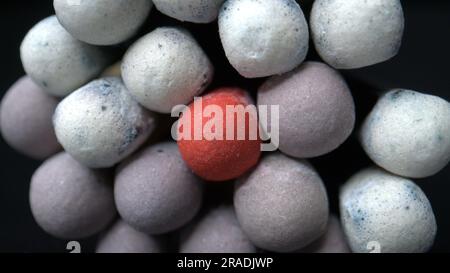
<point x="166" y="68"/>
<point x="317" y="112"/>
<point x="220" y="159"/>
<point x="155" y="191"/>
<point x="263" y="38"/>
<point x="377" y="206"/>
<point x="26" y="119"/>
<point x="121" y="238"/>
<point x="352" y="33"/>
<point x="216" y="232"/>
<point x="58" y="62"/>
<point x="196" y="11"/>
<point x="102" y="22"/>
<point x="70" y="201"/>
<point x="100" y="124"/>
<point x="282" y="205"/>
<point x="333" y="241"/>
<point x="408" y="133"/>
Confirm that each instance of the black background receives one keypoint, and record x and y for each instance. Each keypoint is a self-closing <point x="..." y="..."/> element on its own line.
<point x="422" y="65"/>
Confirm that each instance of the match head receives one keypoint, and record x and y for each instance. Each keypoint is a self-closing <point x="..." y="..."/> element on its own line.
<point x="333" y="241"/>
<point x="70" y="201"/>
<point x="282" y="205"/>
<point x="351" y="34"/>
<point x="57" y="61"/>
<point x="218" y="231"/>
<point x="102" y="22"/>
<point x="317" y="111"/>
<point x="408" y="133"/>
<point x="195" y="11"/>
<point x="166" y="68"/>
<point x="100" y="124"/>
<point x="263" y="38"/>
<point x="387" y="213"/>
<point x="26" y="119"/>
<point x="122" y="238"/>
<point x="155" y="191"/>
<point x="211" y="143"/>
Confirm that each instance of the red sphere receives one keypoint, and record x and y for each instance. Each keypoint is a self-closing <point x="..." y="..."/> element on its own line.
<point x="218" y="140"/>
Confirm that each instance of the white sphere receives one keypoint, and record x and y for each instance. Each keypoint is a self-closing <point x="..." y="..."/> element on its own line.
<point x="100" y="124"/>
<point x="263" y="38"/>
<point x="58" y="62"/>
<point x="102" y="22"/>
<point x="386" y="213"/>
<point x="195" y="11"/>
<point x="353" y="33"/>
<point x="408" y="133"/>
<point x="166" y="68"/>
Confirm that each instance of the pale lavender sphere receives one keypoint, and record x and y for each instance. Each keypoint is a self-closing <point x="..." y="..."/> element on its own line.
<point x="26" y="119"/>
<point x="155" y="191"/>
<point x="317" y="111"/>
<point x="333" y="241"/>
<point x="216" y="232"/>
<point x="282" y="205"/>
<point x="70" y="201"/>
<point x="122" y="238"/>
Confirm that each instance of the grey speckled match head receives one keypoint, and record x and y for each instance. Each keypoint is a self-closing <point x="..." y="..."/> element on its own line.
<point x="353" y="33"/>
<point x="26" y="119"/>
<point x="317" y="112"/>
<point x="70" y="201"/>
<point x="408" y="133"/>
<point x="102" y="22"/>
<point x="58" y="62"/>
<point x="121" y="238"/>
<point x="333" y="241"/>
<point x="282" y="205"/>
<point x="195" y="11"/>
<point x="155" y="191"/>
<point x="263" y="38"/>
<point x="217" y="232"/>
<point x="166" y="68"/>
<point x="381" y="211"/>
<point x="100" y="124"/>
